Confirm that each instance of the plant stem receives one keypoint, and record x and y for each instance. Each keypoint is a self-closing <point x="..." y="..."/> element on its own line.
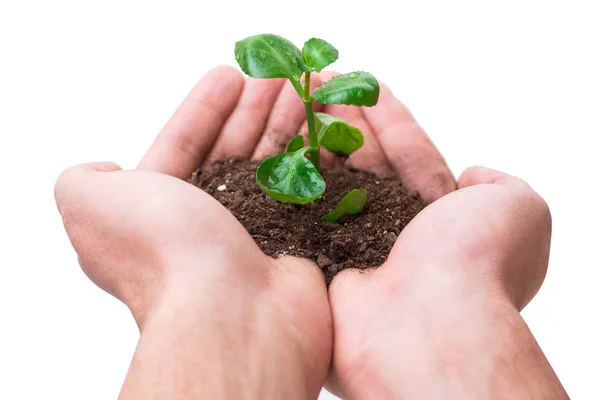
<point x="315" y="156"/>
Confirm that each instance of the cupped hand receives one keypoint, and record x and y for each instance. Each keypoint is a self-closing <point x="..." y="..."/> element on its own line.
<point x="171" y="252"/>
<point x="156" y="242"/>
<point x="487" y="242"/>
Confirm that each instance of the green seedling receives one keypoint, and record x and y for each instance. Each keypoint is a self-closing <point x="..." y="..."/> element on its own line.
<point x="294" y="175"/>
<point x="352" y="203"/>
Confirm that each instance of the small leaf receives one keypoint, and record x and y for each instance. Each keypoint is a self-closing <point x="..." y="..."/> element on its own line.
<point x="355" y="88"/>
<point x="337" y="136"/>
<point x="295" y="144"/>
<point x="318" y="54"/>
<point x="271" y="56"/>
<point x="352" y="203"/>
<point x="290" y="177"/>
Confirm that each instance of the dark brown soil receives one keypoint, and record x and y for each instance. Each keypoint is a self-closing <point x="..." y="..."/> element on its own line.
<point x="357" y="241"/>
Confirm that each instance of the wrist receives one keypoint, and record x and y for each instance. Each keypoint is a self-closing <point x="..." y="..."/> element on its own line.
<point x="184" y="276"/>
<point x="450" y="337"/>
<point x="221" y="336"/>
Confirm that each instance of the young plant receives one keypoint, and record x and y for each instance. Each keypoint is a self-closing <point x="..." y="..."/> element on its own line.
<point x="291" y="176"/>
<point x="352" y="203"/>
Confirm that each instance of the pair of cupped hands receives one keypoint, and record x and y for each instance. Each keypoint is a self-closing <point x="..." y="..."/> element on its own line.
<point x="190" y="273"/>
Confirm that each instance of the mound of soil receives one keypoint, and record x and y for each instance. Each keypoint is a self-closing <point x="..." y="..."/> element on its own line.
<point x="356" y="241"/>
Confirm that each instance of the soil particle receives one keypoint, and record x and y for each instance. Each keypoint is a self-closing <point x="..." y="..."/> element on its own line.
<point x="358" y="241"/>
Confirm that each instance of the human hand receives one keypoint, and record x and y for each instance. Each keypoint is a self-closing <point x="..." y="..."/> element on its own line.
<point x="419" y="326"/>
<point x="217" y="317"/>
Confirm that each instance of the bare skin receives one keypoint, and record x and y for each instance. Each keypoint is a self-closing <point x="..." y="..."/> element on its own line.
<point x="220" y="320"/>
<point x="450" y="316"/>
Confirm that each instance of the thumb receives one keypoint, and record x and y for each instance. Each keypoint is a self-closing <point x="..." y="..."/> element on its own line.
<point x="480" y="175"/>
<point x="70" y="182"/>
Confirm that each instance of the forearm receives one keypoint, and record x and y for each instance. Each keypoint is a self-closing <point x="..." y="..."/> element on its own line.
<point x="452" y="344"/>
<point x="191" y="347"/>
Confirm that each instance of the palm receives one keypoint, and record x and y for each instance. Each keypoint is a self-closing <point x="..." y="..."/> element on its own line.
<point x="223" y="116"/>
<point x="148" y="237"/>
<point x="483" y="220"/>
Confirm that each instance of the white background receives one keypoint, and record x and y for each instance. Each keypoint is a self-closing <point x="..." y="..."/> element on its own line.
<point x="513" y="85"/>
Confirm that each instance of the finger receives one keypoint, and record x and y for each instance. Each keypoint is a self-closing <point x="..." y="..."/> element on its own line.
<point x="285" y="121"/>
<point x="100" y="228"/>
<point x="479" y="175"/>
<point x="370" y="157"/>
<point x="408" y="148"/>
<point x="246" y="124"/>
<point x="71" y="179"/>
<point x="186" y="139"/>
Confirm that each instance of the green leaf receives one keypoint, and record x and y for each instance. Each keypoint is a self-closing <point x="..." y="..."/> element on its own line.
<point x="290" y="177"/>
<point x="295" y="144"/>
<point x="355" y="88"/>
<point x="337" y="136"/>
<point x="352" y="203"/>
<point x="318" y="54"/>
<point x="271" y="56"/>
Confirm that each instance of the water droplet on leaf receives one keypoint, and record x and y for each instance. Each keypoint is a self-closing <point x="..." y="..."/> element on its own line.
<point x="353" y="75"/>
<point x="263" y="54"/>
<point x="359" y="93"/>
